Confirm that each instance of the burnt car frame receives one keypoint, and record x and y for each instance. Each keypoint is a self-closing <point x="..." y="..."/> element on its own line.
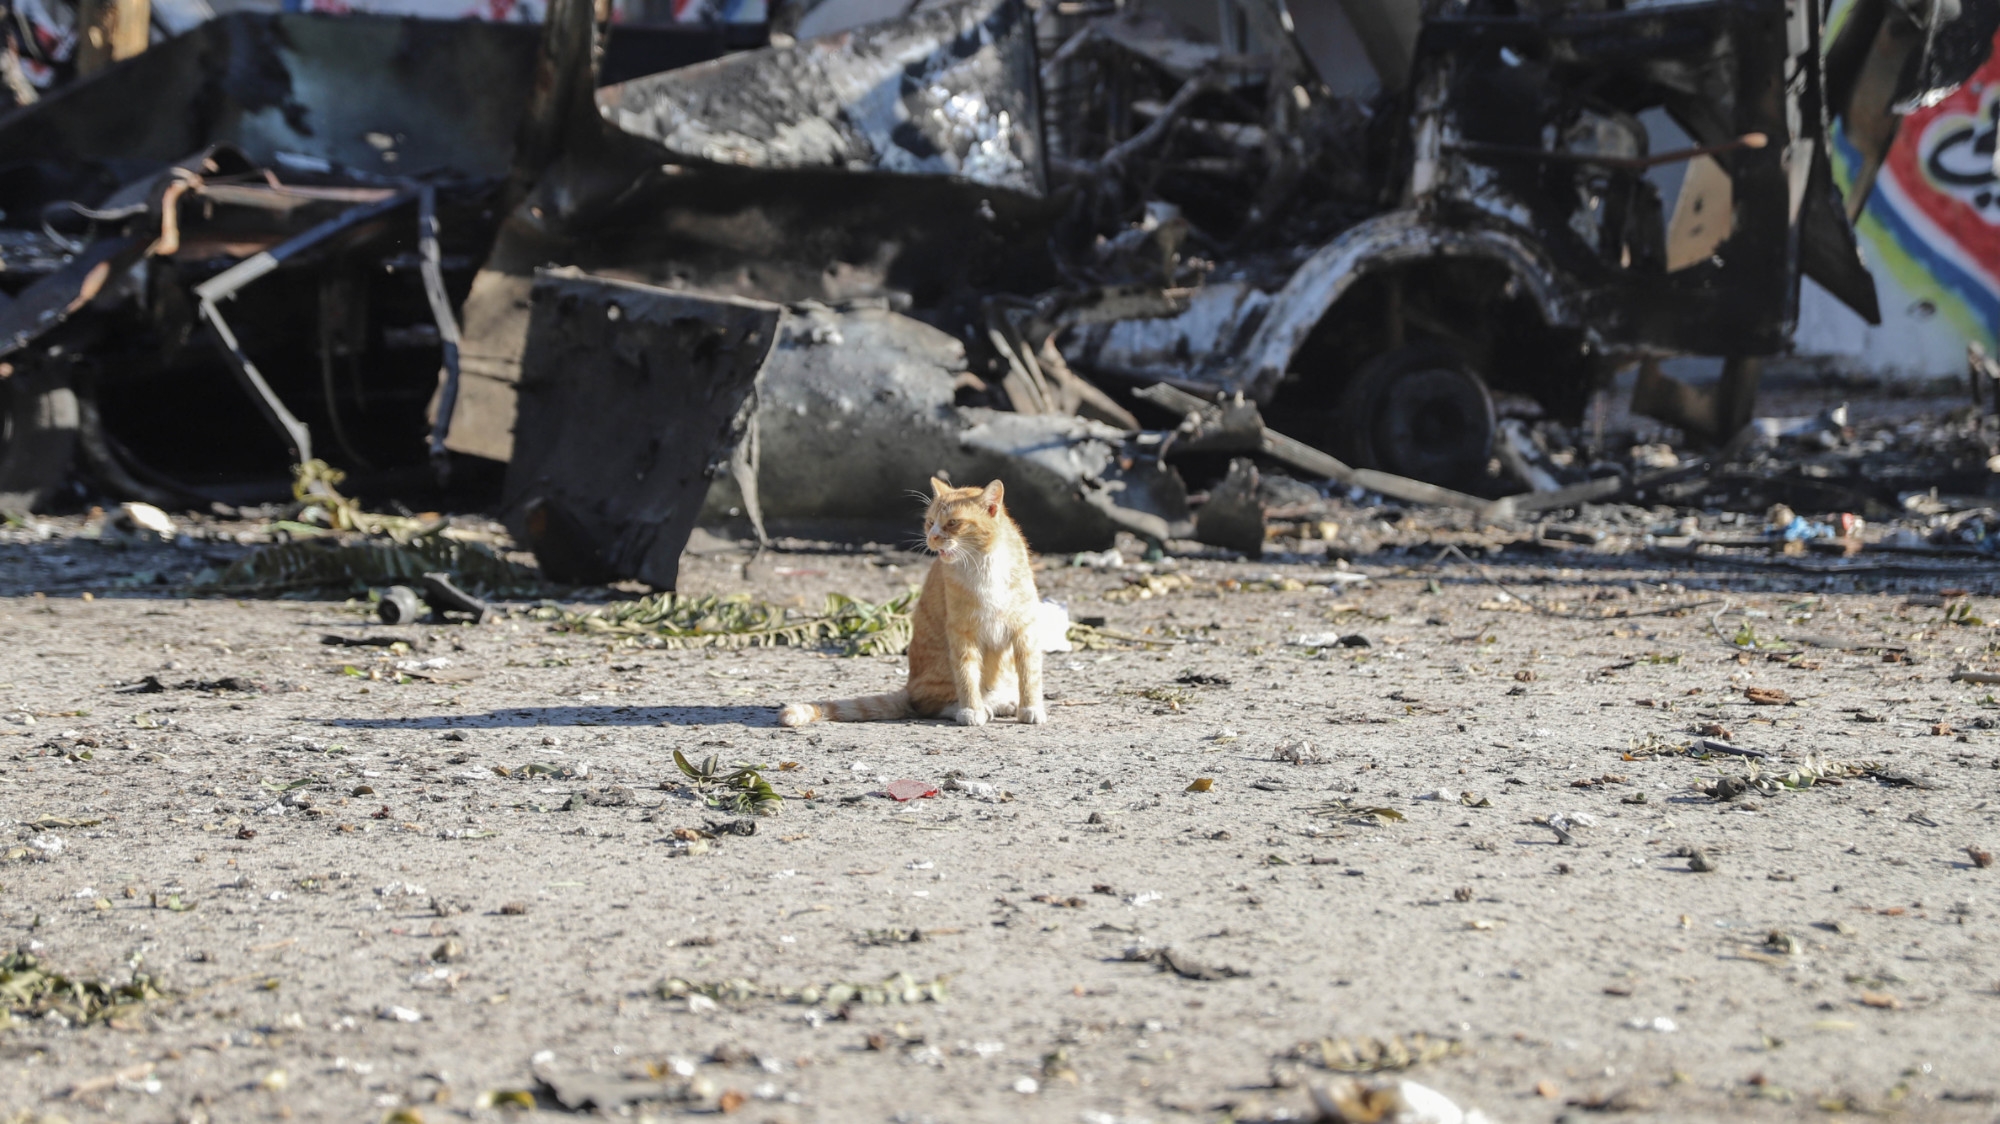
<point x="1222" y="221"/>
<point x="247" y="245"/>
<point x="1518" y="242"/>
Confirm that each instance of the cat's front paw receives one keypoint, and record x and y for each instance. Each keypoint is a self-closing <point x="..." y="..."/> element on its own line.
<point x="1035" y="715"/>
<point x="973" y="716"/>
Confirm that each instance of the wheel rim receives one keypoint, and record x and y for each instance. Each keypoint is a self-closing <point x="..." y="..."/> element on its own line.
<point x="1435" y="424"/>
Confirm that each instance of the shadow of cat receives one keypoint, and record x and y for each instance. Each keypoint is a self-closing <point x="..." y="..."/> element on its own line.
<point x="523" y="717"/>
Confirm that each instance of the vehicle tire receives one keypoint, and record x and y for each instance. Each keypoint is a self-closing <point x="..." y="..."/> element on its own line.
<point x="38" y="425"/>
<point x="1419" y="411"/>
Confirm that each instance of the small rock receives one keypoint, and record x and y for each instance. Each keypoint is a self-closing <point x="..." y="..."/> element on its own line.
<point x="1728" y="788"/>
<point x="144" y="517"/>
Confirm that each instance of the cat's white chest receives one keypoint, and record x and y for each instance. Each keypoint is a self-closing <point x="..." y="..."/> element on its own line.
<point x="992" y="586"/>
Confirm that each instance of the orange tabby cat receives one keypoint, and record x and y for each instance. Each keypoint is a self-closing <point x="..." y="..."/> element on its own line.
<point x="973" y="654"/>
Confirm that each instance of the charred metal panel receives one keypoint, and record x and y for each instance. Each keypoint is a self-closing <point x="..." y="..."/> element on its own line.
<point x="52" y="299"/>
<point x="929" y="233"/>
<point x="387" y="95"/>
<point x="929" y="243"/>
<point x="1069" y="469"/>
<point x="1246" y="342"/>
<point x="1959" y="40"/>
<point x="432" y="94"/>
<point x="1388" y="30"/>
<point x="633" y="394"/>
<point x="916" y="242"/>
<point x="855" y="410"/>
<point x="951" y="91"/>
<point x="1829" y="253"/>
<point x="855" y="413"/>
<point x="1195" y="347"/>
<point x="932" y="246"/>
<point x="291" y="119"/>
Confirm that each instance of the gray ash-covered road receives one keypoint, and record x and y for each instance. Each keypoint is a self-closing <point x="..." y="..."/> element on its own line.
<point x="304" y="859"/>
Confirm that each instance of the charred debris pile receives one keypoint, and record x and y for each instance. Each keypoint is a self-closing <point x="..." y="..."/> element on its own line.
<point x="1215" y="285"/>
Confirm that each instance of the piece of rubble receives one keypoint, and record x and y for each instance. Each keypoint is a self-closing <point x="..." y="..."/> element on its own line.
<point x="862" y="401"/>
<point x="607" y="1093"/>
<point x="399" y="605"/>
<point x="1233" y="517"/>
<point x="144" y="518"/>
<point x="1351" y="1101"/>
<point x="1717" y="745"/>
<point x="944" y="91"/>
<point x="1318" y="640"/>
<point x="903" y="791"/>
<point x="1182" y="964"/>
<point x="1523" y="458"/>
<point x="445" y="598"/>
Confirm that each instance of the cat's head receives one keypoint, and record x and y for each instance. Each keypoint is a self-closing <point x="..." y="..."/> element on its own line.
<point x="962" y="520"/>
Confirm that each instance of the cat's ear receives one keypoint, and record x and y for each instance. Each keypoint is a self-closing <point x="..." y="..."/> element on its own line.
<point x="939" y="487"/>
<point x="991" y="498"/>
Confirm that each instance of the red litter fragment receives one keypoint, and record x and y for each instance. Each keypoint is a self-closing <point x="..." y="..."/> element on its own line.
<point x="909" y="790"/>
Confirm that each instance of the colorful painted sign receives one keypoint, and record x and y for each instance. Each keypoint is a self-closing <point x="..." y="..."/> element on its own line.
<point x="1932" y="224"/>
<point x="495" y="11"/>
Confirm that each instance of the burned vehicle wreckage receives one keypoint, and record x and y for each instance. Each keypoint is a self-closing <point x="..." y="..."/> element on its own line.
<point x="661" y="279"/>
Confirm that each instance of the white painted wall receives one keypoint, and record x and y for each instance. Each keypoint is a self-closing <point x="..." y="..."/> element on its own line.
<point x="1912" y="342"/>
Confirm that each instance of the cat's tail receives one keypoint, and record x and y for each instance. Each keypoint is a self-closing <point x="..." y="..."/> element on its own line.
<point x="867" y="708"/>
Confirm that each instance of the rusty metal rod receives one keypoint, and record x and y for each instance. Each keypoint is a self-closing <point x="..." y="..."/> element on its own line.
<point x="224" y="285"/>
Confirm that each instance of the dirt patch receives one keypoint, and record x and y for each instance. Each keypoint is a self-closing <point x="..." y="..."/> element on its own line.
<point x="360" y="890"/>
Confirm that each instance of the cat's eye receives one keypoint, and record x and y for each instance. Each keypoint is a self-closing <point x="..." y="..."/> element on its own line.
<point x="954" y="525"/>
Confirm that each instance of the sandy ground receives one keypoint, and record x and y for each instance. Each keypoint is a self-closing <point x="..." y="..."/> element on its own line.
<point x="1606" y="972"/>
